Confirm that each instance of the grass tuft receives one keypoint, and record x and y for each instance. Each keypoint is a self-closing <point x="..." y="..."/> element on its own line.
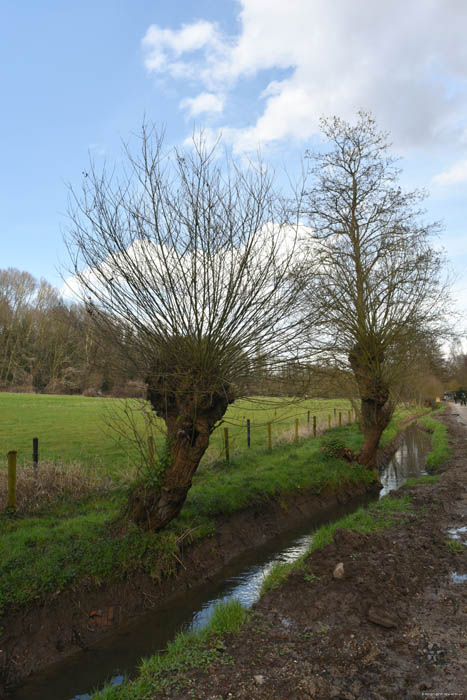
<point x="53" y="481"/>
<point x="454" y="546"/>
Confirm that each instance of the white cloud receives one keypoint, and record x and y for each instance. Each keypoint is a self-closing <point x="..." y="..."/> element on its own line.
<point x="164" y="47"/>
<point x="406" y="62"/>
<point x="205" y="103"/>
<point x="455" y="175"/>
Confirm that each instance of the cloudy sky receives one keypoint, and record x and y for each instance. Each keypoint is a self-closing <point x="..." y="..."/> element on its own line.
<point x="77" y="78"/>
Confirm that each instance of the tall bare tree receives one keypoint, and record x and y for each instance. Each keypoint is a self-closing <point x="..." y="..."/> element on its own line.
<point x="376" y="281"/>
<point x="189" y="255"/>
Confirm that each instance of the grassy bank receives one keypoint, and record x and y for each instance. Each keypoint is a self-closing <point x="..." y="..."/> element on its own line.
<point x="198" y="649"/>
<point x="440" y="450"/>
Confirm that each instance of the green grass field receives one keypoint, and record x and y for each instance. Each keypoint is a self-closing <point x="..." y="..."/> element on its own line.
<point x="77" y="428"/>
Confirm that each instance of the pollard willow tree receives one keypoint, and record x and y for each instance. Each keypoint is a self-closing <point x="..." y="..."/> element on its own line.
<point x="376" y="282"/>
<point x="190" y="257"/>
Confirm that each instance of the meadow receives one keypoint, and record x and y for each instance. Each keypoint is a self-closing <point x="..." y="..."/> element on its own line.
<point x="92" y="430"/>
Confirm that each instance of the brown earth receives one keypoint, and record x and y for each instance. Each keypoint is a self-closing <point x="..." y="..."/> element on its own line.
<point x="394" y="627"/>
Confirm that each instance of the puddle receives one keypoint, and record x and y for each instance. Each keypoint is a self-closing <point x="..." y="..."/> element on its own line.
<point x="458" y="578"/>
<point x="458" y="533"/>
<point x="241" y="580"/>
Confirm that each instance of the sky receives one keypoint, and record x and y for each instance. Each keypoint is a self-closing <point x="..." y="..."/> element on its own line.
<point x="79" y="78"/>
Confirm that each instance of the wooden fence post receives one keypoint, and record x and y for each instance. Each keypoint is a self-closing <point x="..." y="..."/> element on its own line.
<point x="35" y="454"/>
<point x="340" y="418"/>
<point x="296" y="429"/>
<point x="226" y="444"/>
<point x="308" y="419"/>
<point x="269" y="438"/>
<point x="349" y="418"/>
<point x="329" y="421"/>
<point x="12" y="480"/>
<point x="335" y="412"/>
<point x="314" y="426"/>
<point x="248" y="432"/>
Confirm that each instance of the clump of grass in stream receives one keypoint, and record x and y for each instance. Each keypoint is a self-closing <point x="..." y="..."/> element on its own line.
<point x="279" y="573"/>
<point x="191" y="649"/>
<point x="440" y="450"/>
<point x="365" y="520"/>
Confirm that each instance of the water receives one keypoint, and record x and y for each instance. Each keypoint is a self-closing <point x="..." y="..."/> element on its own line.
<point x="120" y="654"/>
<point x="458" y="578"/>
<point x="408" y="461"/>
<point x="458" y="533"/>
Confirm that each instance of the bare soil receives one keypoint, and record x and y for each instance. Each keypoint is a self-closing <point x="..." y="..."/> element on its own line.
<point x="394" y="627"/>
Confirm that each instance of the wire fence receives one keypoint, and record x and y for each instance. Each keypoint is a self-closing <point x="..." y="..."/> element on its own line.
<point x="43" y="473"/>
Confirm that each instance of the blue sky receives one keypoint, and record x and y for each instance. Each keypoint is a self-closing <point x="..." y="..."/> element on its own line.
<point x="76" y="78"/>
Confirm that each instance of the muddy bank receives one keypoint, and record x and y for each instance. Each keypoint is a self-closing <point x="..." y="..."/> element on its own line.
<point x="393" y="627"/>
<point x="49" y="631"/>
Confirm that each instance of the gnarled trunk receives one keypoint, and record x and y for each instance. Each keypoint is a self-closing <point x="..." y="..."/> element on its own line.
<point x="376" y="407"/>
<point x="190" y="421"/>
<point x="375" y="416"/>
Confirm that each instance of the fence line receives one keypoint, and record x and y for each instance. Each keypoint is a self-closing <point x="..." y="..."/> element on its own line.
<point x="228" y="442"/>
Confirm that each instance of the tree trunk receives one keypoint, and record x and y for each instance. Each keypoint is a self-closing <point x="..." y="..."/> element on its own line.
<point x="376" y="407"/>
<point x="153" y="507"/>
<point x="155" y="502"/>
<point x="374" y="419"/>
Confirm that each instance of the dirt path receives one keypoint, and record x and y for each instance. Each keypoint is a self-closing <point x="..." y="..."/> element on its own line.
<point x="394" y="627"/>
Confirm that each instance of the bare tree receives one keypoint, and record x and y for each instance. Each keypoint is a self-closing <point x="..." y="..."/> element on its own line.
<point x="376" y="282"/>
<point x="190" y="256"/>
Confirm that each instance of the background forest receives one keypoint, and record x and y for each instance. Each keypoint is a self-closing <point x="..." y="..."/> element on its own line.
<point x="50" y="345"/>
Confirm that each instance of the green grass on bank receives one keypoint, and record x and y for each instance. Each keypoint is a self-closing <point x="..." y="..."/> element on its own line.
<point x="440" y="450"/>
<point x="78" y="428"/>
<point x="188" y="650"/>
<point x="75" y="540"/>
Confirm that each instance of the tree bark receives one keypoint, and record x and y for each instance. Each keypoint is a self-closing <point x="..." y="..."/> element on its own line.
<point x="152" y="505"/>
<point x="375" y="416"/>
<point x="376" y="407"/>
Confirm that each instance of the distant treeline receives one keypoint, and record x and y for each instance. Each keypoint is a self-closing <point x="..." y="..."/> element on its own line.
<point x="49" y="345"/>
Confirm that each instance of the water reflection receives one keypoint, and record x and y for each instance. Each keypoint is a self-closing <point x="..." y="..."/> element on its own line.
<point x="408" y="461"/>
<point x="458" y="578"/>
<point x="458" y="533"/>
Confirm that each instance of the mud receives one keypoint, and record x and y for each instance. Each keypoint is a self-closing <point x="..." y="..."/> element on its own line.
<point x="395" y="626"/>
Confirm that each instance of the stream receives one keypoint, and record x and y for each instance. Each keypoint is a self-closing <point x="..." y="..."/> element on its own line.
<point x="119" y="654"/>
